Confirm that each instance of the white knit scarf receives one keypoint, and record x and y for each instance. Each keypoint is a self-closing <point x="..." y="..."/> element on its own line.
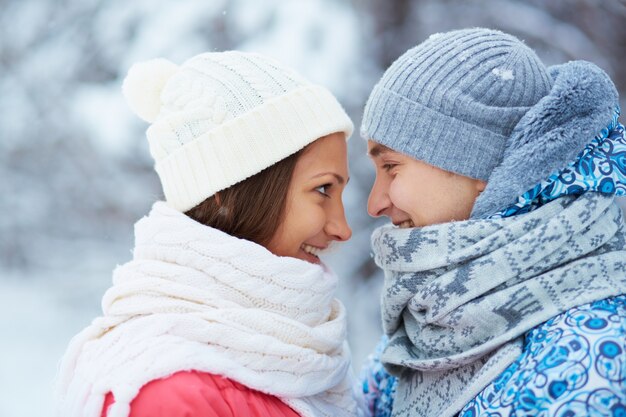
<point x="194" y="298"/>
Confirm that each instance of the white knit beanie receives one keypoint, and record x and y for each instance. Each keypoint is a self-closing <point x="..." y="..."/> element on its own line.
<point x="222" y="117"/>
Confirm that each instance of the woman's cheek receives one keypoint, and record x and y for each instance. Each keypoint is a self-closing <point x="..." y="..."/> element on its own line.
<point x="318" y="219"/>
<point x="310" y="213"/>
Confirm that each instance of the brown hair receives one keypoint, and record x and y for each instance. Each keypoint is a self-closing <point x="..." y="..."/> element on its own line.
<point x="252" y="209"/>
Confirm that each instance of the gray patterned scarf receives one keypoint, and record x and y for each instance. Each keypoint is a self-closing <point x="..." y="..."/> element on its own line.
<point x="458" y="297"/>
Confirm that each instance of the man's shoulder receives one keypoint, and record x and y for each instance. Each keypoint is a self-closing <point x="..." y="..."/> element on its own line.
<point x="573" y="364"/>
<point x="587" y="323"/>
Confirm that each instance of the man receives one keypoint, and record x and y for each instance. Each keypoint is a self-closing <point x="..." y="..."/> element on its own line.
<point x="505" y="264"/>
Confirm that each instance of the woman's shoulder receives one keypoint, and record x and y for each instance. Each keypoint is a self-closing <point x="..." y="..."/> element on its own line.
<point x="192" y="393"/>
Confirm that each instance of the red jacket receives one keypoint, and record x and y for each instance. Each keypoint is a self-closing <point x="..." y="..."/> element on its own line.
<point x="198" y="394"/>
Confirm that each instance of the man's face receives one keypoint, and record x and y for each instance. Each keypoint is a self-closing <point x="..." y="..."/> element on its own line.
<point x="413" y="193"/>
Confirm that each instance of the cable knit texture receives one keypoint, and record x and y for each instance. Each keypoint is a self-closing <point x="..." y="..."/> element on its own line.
<point x="194" y="298"/>
<point x="222" y="117"/>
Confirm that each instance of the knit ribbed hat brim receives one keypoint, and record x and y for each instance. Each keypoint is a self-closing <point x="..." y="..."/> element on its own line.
<point x="417" y="130"/>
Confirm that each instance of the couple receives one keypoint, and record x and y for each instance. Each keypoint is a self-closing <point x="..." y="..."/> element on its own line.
<point x="505" y="266"/>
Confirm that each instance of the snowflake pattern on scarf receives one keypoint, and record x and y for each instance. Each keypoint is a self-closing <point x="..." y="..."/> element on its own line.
<point x="599" y="167"/>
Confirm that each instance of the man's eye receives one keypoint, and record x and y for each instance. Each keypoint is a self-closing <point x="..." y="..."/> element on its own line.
<point x="323" y="189"/>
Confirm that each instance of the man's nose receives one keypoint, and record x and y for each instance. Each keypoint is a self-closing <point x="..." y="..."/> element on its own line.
<point x="378" y="201"/>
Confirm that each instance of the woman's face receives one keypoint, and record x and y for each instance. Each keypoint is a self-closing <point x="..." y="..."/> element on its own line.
<point x="413" y="193"/>
<point x="314" y="215"/>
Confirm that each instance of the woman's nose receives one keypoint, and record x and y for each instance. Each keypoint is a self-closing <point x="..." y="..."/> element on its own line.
<point x="338" y="227"/>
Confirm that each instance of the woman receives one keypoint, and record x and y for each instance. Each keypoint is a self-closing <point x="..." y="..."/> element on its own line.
<point x="225" y="309"/>
<point x="505" y="273"/>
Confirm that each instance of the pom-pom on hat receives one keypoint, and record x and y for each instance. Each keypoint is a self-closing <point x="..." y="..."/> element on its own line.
<point x="222" y="117"/>
<point x="143" y="85"/>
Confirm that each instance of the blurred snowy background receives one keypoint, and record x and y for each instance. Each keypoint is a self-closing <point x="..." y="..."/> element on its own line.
<point x="74" y="163"/>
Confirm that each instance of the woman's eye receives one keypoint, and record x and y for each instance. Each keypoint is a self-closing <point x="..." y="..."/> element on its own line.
<point x="323" y="189"/>
<point x="389" y="167"/>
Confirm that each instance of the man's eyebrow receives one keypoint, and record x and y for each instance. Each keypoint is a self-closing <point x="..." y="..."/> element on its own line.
<point x="341" y="180"/>
<point x="378" y="150"/>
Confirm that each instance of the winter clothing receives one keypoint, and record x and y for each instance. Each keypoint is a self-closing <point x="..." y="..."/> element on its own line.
<point x="550" y="135"/>
<point x="600" y="167"/>
<point x="572" y="365"/>
<point x="222" y="117"/>
<point x="453" y="100"/>
<point x="194" y="298"/>
<point x="460" y="297"/>
<point x="377" y="387"/>
<point x="198" y="394"/>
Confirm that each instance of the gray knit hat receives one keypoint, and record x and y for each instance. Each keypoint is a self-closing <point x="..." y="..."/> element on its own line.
<point x="453" y="100"/>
